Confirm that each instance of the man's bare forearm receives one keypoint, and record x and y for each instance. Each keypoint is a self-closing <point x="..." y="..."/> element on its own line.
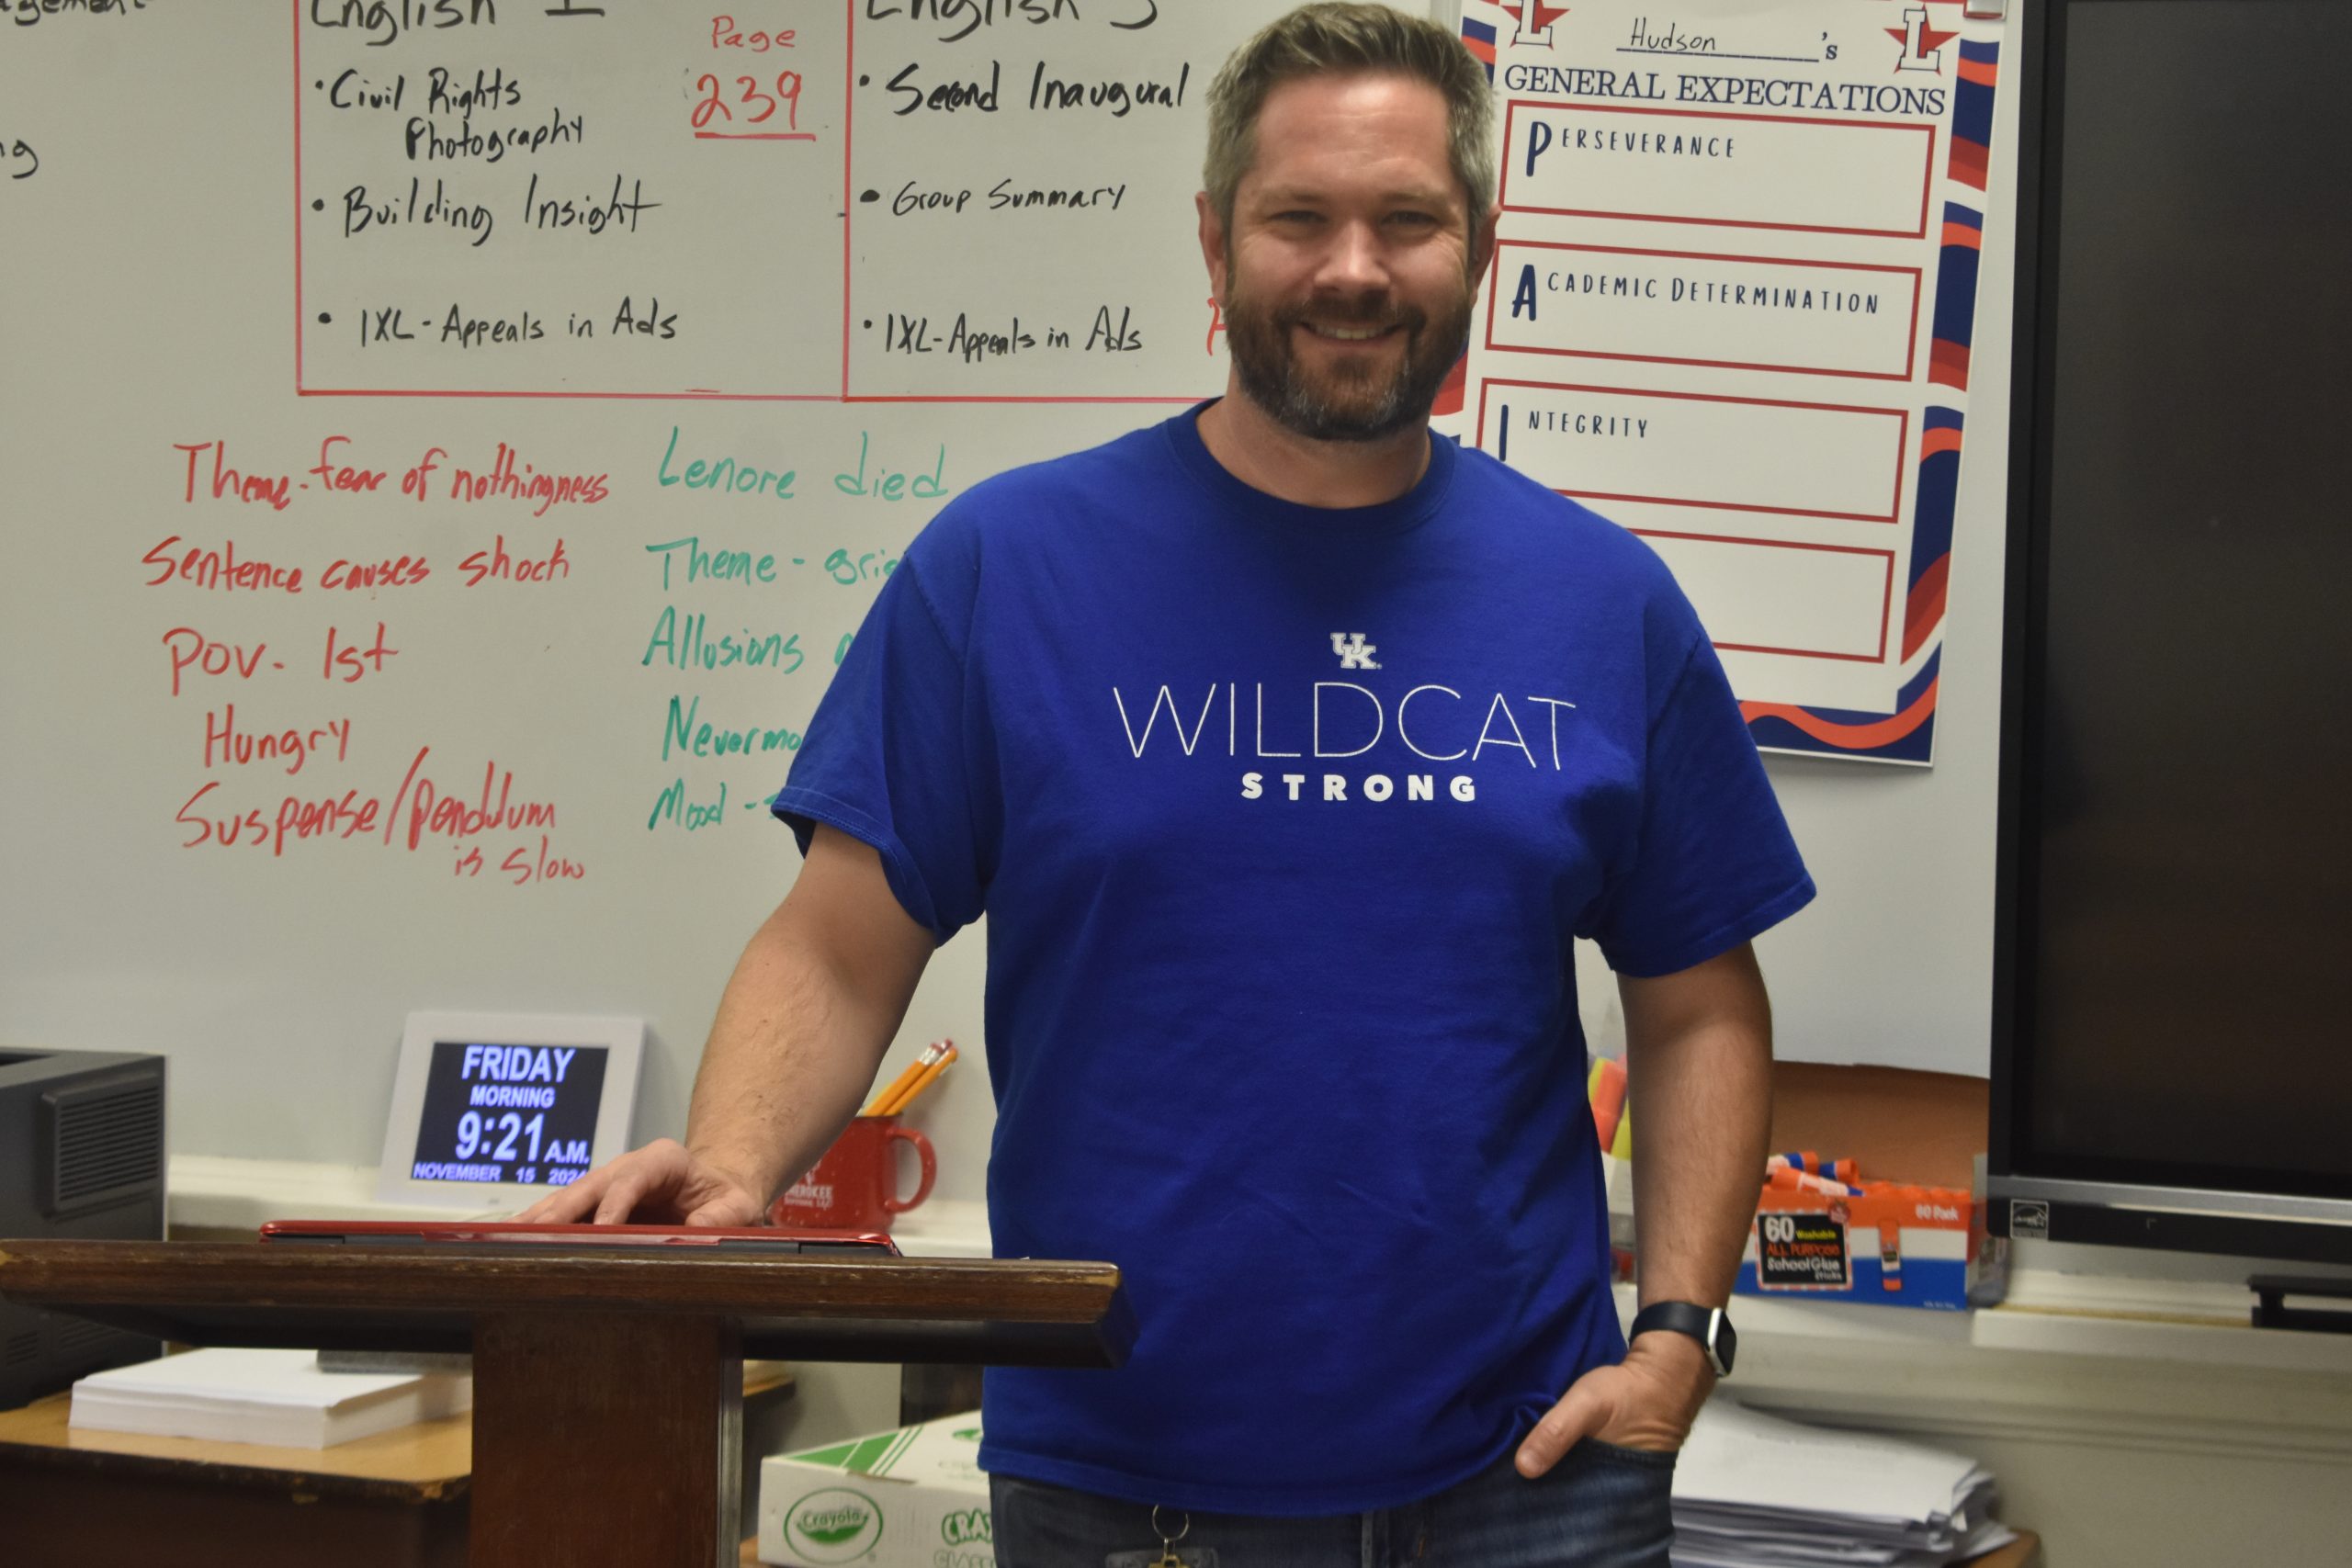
<point x="1699" y="1089"/>
<point x="813" y="1004"/>
<point x="1699" y="1083"/>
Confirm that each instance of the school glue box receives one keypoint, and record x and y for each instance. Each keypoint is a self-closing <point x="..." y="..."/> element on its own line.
<point x="912" y="1498"/>
<point x="1916" y="1241"/>
<point x="1894" y="1244"/>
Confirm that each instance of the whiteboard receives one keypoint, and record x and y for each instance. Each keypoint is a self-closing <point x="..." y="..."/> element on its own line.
<point x="592" y="440"/>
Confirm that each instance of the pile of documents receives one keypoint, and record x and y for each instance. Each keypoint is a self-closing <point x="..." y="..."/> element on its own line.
<point x="1753" y="1491"/>
<point x="279" y="1397"/>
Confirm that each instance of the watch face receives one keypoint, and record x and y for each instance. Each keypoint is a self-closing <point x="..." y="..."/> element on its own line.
<point x="1710" y="1326"/>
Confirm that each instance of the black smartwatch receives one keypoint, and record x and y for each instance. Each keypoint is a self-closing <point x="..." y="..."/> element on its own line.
<point x="1708" y="1325"/>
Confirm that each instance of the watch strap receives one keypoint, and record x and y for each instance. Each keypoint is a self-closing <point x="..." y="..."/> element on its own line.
<point x="1710" y="1326"/>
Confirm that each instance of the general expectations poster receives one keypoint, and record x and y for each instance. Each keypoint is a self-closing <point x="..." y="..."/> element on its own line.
<point x="1731" y="306"/>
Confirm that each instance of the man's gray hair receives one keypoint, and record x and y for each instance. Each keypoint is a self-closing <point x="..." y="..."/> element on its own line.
<point x="1343" y="39"/>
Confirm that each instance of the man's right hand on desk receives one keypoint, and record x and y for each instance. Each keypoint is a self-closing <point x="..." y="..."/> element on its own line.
<point x="661" y="1184"/>
<point x="814" y="1002"/>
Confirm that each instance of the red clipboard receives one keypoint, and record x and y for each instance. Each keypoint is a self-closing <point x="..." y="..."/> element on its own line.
<point x="720" y="1239"/>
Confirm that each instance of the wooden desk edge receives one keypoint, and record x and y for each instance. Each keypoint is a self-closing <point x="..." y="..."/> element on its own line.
<point x="462" y="1280"/>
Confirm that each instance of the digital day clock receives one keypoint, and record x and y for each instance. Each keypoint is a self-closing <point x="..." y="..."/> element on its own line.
<point x="490" y="1109"/>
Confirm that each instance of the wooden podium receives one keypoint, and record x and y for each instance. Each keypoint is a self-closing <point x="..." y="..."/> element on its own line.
<point x="607" y="1383"/>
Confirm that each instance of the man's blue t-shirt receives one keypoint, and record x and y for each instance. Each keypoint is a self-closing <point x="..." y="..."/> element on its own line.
<point x="1284" y="819"/>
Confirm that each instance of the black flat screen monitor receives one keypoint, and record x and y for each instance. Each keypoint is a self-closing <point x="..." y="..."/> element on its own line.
<point x="2173" y="1059"/>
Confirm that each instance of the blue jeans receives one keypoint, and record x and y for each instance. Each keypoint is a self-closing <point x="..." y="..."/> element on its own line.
<point x="1602" y="1507"/>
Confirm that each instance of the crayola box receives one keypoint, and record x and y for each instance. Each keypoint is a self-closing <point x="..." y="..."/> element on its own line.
<point x="912" y="1498"/>
<point x="1892" y="1243"/>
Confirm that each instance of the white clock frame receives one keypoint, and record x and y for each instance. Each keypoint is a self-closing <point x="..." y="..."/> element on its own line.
<point x="622" y="1038"/>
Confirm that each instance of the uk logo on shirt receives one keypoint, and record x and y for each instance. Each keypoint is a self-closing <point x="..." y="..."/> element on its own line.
<point x="1353" y="651"/>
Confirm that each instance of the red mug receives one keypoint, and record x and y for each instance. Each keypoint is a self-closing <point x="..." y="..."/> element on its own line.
<point x="855" y="1186"/>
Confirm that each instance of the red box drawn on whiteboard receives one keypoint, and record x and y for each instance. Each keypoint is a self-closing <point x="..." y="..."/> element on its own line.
<point x="796" y="93"/>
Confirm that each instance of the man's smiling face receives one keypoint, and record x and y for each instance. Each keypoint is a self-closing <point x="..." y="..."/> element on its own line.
<point x="1346" y="273"/>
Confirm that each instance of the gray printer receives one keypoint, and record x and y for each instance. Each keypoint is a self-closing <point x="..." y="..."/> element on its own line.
<point x="81" y="1158"/>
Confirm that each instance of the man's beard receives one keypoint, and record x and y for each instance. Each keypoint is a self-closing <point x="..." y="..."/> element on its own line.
<point x="1348" y="404"/>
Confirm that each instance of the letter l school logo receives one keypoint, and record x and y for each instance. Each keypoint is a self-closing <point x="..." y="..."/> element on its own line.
<point x="1353" y="651"/>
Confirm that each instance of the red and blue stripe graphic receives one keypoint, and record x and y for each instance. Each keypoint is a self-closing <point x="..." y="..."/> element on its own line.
<point x="1931" y="523"/>
<point x="1963" y="234"/>
<point x="1904" y="736"/>
<point x="1954" y="329"/>
<point x="1971" y="112"/>
<point x="1478" y="38"/>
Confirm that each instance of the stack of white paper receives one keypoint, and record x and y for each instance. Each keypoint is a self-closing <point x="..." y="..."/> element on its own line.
<point x="1752" y="1490"/>
<point x="262" y="1396"/>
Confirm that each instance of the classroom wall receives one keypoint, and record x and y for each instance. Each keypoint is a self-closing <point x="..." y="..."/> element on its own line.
<point x="157" y="317"/>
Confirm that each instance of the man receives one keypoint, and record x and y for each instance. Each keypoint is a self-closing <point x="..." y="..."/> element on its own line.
<point x="1288" y="750"/>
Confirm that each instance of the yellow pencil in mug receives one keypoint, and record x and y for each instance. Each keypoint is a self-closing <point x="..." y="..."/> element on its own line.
<point x="929" y="1053"/>
<point x="922" y="1082"/>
